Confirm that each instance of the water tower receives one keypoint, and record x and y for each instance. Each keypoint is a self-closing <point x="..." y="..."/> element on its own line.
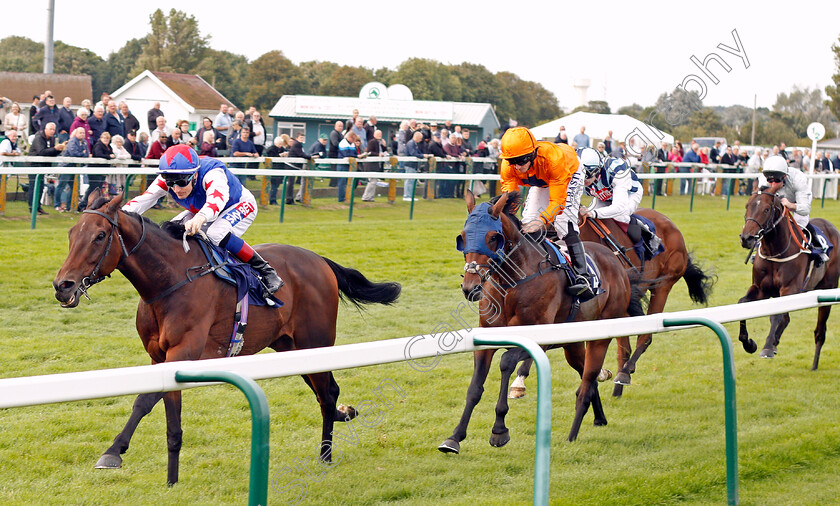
<point x="582" y="85"/>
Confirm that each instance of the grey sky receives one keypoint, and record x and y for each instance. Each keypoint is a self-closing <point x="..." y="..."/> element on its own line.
<point x="630" y="51"/>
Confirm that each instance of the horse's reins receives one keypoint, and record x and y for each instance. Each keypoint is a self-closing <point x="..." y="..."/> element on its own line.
<point x="93" y="278"/>
<point x="786" y="215"/>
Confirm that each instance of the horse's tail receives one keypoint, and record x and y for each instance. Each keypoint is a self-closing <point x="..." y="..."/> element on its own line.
<point x="699" y="283"/>
<point x="354" y="287"/>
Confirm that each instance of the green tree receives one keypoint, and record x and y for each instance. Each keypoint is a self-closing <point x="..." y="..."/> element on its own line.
<point x="633" y="110"/>
<point x="801" y="107"/>
<point x="346" y="81"/>
<point x="227" y="72"/>
<point x="596" y="106"/>
<point x="480" y="85"/>
<point x="271" y="76"/>
<point x="525" y="107"/>
<point x="20" y="54"/>
<point x="316" y="73"/>
<point x="833" y="90"/>
<point x="174" y="44"/>
<point x="78" y="61"/>
<point x="425" y="78"/>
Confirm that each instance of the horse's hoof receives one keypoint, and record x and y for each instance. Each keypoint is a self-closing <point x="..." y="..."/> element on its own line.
<point x="499" y="440"/>
<point x="108" y="461"/>
<point x="750" y="346"/>
<point x="767" y="353"/>
<point x="450" y="446"/>
<point x="349" y="412"/>
<point x="622" y="378"/>
<point x="618" y="390"/>
<point x="604" y="375"/>
<point x="600" y="423"/>
<point x="516" y="393"/>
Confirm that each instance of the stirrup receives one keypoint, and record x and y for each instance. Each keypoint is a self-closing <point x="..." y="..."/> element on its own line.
<point x="581" y="288"/>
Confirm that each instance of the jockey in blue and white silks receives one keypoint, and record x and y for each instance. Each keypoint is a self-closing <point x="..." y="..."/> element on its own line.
<point x="616" y="190"/>
<point x="214" y="201"/>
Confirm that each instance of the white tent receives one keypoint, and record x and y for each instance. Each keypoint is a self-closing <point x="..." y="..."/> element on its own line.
<point x="597" y="125"/>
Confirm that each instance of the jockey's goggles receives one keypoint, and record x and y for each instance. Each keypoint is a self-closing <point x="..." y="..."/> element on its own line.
<point x="177" y="179"/>
<point x="521" y="160"/>
<point x="775" y="179"/>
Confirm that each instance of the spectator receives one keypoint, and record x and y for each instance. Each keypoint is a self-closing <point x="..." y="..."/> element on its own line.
<point x="318" y="147"/>
<point x="806" y="159"/>
<point x="87" y="105"/>
<point x="243" y="147"/>
<point x="67" y="118"/>
<point x="5" y="107"/>
<point x="9" y="146"/>
<point x="33" y="110"/>
<point x="16" y="121"/>
<point x="728" y="159"/>
<point x="679" y="146"/>
<point x="184" y="126"/>
<point x="97" y="125"/>
<point x="466" y="145"/>
<point x="175" y="137"/>
<point x="235" y="131"/>
<point x="158" y="147"/>
<point x="208" y="144"/>
<point x="618" y="151"/>
<point x="77" y="147"/>
<point x="561" y="137"/>
<point x="582" y="139"/>
<point x="358" y="128"/>
<point x="152" y="116"/>
<point x="48" y="114"/>
<point x="279" y="148"/>
<point x="101" y="149"/>
<point x="161" y="127"/>
<point x="675" y="157"/>
<point x="662" y="158"/>
<point x="116" y="182"/>
<point x="42" y="145"/>
<point x="691" y="156"/>
<point x="608" y="142"/>
<point x="754" y="165"/>
<point x="257" y="127"/>
<point x="222" y="123"/>
<point x="114" y="123"/>
<point x="207" y="126"/>
<point x="351" y="121"/>
<point x="143" y="143"/>
<point x="795" y="160"/>
<point x="783" y="150"/>
<point x="714" y="153"/>
<point x="346" y="148"/>
<point x="295" y="151"/>
<point x="446" y="189"/>
<point x="104" y="100"/>
<point x="370" y="128"/>
<point x="334" y="140"/>
<point x="129" y="121"/>
<point x="132" y="146"/>
<point x="374" y="148"/>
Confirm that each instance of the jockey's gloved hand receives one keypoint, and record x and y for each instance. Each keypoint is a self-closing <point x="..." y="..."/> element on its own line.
<point x="193" y="225"/>
<point x="534" y="226"/>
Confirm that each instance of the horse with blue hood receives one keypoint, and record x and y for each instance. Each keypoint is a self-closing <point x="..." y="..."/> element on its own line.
<point x="516" y="282"/>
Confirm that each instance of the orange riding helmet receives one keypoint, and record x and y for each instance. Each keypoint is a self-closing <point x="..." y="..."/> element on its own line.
<point x="518" y="145"/>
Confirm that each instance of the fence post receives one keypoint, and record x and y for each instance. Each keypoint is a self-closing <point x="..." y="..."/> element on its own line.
<point x="392" y="183"/>
<point x="35" y="195"/>
<point x="730" y="406"/>
<point x="3" y="194"/>
<point x="542" y="452"/>
<point x="430" y="183"/>
<point x="265" y="164"/>
<point x="258" y="484"/>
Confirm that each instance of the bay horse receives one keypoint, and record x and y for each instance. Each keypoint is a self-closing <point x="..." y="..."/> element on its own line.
<point x="196" y="320"/>
<point x="658" y="276"/>
<point x="783" y="266"/>
<point x="522" y="289"/>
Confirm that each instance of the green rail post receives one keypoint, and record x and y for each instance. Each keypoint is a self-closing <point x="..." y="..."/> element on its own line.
<point x="258" y="485"/>
<point x="542" y="453"/>
<point x="413" y="192"/>
<point x="729" y="193"/>
<point x="36" y="200"/>
<point x="828" y="298"/>
<point x="283" y="198"/>
<point x="825" y="183"/>
<point x="730" y="406"/>
<point x="691" y="204"/>
<point x="653" y="198"/>
<point x="351" y="188"/>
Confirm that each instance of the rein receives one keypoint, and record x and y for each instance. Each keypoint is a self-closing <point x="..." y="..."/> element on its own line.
<point x="93" y="278"/>
<point x="767" y="227"/>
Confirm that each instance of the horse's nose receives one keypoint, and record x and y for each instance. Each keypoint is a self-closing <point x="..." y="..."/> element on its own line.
<point x="747" y="241"/>
<point x="473" y="293"/>
<point x="63" y="288"/>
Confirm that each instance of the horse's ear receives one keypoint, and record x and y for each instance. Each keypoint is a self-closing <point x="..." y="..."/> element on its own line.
<point x="499" y="206"/>
<point x="95" y="194"/>
<point x="114" y="203"/>
<point x="469" y="198"/>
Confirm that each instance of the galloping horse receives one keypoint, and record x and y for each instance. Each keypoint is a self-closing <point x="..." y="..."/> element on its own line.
<point x="523" y="289"/>
<point x="783" y="266"/>
<point x="658" y="275"/>
<point x="196" y="320"/>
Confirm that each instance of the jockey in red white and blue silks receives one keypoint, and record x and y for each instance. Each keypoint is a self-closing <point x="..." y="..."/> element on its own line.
<point x="214" y="201"/>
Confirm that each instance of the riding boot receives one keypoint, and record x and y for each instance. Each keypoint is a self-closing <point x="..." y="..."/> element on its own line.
<point x="582" y="285"/>
<point x="270" y="279"/>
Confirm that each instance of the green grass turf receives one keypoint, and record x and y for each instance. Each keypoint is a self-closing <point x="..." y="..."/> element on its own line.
<point x="664" y="443"/>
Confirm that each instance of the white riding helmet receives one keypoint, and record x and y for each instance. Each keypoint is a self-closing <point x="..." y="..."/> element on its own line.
<point x="591" y="161"/>
<point x="775" y="164"/>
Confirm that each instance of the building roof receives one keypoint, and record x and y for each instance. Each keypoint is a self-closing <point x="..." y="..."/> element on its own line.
<point x="317" y="107"/>
<point x="597" y="125"/>
<point x="192" y="90"/>
<point x="22" y="86"/>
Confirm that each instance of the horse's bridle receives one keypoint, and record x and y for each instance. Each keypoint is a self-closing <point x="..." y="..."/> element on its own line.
<point x="93" y="278"/>
<point x="475" y="268"/>
<point x="766" y="227"/>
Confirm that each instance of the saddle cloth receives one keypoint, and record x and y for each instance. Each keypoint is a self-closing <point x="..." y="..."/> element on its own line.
<point x="238" y="274"/>
<point x="559" y="256"/>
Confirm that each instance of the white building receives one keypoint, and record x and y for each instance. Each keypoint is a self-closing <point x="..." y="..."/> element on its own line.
<point x="181" y="96"/>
